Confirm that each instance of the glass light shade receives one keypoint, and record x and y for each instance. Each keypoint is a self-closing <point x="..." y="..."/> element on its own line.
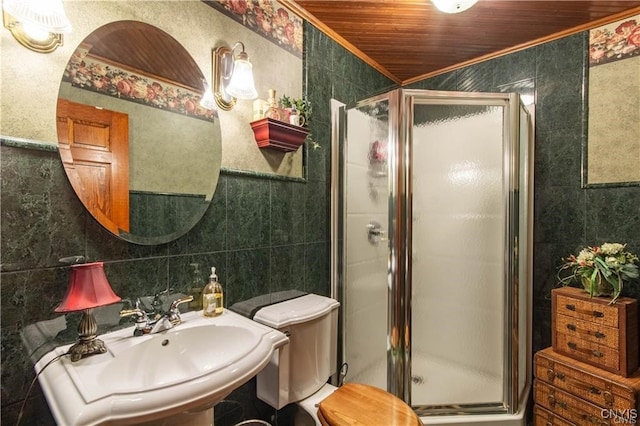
<point x="208" y="101"/>
<point x="47" y="15"/>
<point x="242" y="85"/>
<point x="88" y="288"/>
<point x="453" y="6"/>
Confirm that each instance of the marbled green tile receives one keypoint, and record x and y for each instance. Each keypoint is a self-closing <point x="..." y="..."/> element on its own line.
<point x="210" y="232"/>
<point x="247" y="274"/>
<point x="132" y="279"/>
<point x="101" y="244"/>
<point x="547" y="260"/>
<point x="317" y="268"/>
<point x="317" y="212"/>
<point x="565" y="159"/>
<point x="36" y="411"/>
<point x="39" y="223"/>
<point x="319" y="158"/>
<point x="31" y="296"/>
<point x="613" y="215"/>
<point x="541" y="337"/>
<point x="560" y="214"/>
<point x="560" y="104"/>
<point x="17" y="369"/>
<point x="287" y="267"/>
<point x="68" y="219"/>
<point x="320" y="87"/>
<point x="476" y="78"/>
<point x="248" y="218"/>
<point x="562" y="56"/>
<point x="343" y="64"/>
<point x="514" y="67"/>
<point x="446" y="81"/>
<point x="318" y="47"/>
<point x="287" y="212"/>
<point x="27" y="297"/>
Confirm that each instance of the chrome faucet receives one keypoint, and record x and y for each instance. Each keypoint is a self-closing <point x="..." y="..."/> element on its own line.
<point x="159" y="322"/>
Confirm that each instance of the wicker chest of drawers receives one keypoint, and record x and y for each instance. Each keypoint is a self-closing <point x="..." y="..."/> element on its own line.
<point x="589" y="376"/>
<point x="568" y="391"/>
<point x="595" y="332"/>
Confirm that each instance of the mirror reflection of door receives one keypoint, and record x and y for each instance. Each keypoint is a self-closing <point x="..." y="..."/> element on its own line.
<point x="94" y="147"/>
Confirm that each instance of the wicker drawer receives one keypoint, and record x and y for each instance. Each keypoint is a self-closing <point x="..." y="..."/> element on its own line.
<point x="567" y="406"/>
<point x="542" y="417"/>
<point x="604" y="389"/>
<point x="592" y="353"/>
<point x="593" y="331"/>
<point x="577" y="328"/>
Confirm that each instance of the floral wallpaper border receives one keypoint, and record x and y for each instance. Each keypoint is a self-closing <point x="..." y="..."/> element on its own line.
<point x="267" y="18"/>
<point x="615" y="41"/>
<point x="88" y="73"/>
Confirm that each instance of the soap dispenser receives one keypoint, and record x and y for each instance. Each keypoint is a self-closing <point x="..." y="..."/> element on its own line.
<point x="212" y="298"/>
<point x="196" y="288"/>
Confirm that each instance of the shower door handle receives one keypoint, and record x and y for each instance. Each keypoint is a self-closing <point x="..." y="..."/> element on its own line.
<point x="375" y="233"/>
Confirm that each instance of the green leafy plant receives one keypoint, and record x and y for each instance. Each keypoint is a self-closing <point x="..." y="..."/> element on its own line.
<point x="302" y="105"/>
<point x="601" y="270"/>
<point x="304" y="109"/>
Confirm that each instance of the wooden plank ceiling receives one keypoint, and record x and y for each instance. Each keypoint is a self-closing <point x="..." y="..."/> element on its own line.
<point x="408" y="40"/>
<point x="146" y="49"/>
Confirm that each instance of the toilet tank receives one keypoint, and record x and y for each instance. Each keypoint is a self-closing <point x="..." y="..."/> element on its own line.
<point x="300" y="368"/>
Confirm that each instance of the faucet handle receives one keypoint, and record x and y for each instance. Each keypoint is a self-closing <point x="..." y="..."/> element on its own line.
<point x="143" y="324"/>
<point x="180" y="301"/>
<point x="141" y="315"/>
<point x="174" y="312"/>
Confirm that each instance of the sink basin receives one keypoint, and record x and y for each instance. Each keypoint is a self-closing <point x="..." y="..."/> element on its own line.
<point x="140" y="379"/>
<point x="170" y="358"/>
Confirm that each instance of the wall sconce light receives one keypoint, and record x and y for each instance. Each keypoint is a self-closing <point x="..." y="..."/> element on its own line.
<point x="232" y="77"/>
<point x="36" y="24"/>
<point x="88" y="288"/>
<point x="453" y="6"/>
<point x="207" y="101"/>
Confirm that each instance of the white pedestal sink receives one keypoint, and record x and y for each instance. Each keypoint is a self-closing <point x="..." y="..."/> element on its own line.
<point x="181" y="372"/>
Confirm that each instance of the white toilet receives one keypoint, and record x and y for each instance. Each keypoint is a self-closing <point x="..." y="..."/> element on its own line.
<point x="298" y="372"/>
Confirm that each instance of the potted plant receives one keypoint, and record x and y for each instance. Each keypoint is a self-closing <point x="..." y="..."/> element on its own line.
<point x="601" y="270"/>
<point x="302" y="105"/>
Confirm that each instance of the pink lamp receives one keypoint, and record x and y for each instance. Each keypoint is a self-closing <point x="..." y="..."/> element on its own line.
<point x="88" y="289"/>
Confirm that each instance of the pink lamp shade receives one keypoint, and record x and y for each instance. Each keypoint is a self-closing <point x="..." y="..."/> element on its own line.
<point x="88" y="288"/>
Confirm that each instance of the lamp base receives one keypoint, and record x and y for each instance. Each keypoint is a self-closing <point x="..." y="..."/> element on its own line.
<point x="85" y="348"/>
<point x="88" y="344"/>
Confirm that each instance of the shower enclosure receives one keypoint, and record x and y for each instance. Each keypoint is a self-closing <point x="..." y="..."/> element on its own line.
<point x="431" y="250"/>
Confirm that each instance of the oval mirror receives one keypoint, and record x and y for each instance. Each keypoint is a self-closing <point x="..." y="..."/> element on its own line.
<point x="140" y="152"/>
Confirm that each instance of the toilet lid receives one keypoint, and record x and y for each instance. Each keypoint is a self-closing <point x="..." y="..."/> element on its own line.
<point x="358" y="404"/>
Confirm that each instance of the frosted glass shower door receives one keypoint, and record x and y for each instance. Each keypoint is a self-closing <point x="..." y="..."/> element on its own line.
<point x="458" y="266"/>
<point x="365" y="289"/>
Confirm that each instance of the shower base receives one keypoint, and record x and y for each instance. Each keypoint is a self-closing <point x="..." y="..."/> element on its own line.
<point x="517" y="419"/>
<point x="438" y="381"/>
<point x="427" y="372"/>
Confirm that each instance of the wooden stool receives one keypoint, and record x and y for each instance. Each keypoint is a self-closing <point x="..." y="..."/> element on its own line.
<point x="361" y="405"/>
